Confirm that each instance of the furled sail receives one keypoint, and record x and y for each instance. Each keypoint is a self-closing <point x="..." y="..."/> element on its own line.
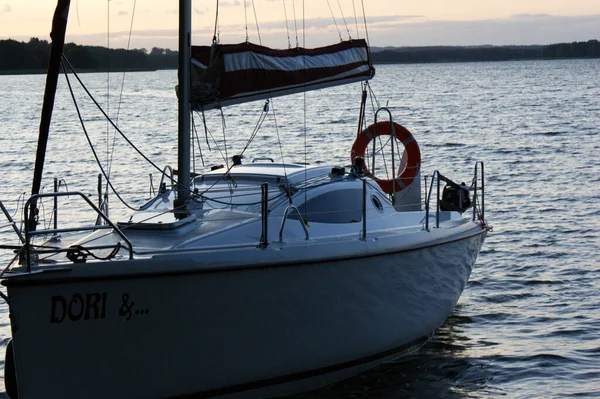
<point x="226" y="74"/>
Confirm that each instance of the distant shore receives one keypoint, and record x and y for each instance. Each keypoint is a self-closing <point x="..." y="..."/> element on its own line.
<point x="18" y="58"/>
<point x="44" y="71"/>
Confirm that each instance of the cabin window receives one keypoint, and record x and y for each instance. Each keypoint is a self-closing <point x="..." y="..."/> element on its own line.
<point x="340" y="206"/>
<point x="376" y="203"/>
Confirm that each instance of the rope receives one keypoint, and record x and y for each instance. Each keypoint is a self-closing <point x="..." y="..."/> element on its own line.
<point x="344" y="18"/>
<point x="217" y="23"/>
<point x="224" y="125"/>
<point x="107" y="80"/>
<point x="110" y="120"/>
<point x="256" y="19"/>
<point x="120" y="96"/>
<point x="258" y="125"/>
<point x="334" y="21"/>
<point x="90" y="142"/>
<point x="295" y="24"/>
<point x="286" y="24"/>
<point x="303" y="23"/>
<point x="208" y="133"/>
<point x="281" y="152"/>
<point x="197" y="136"/>
<point x="355" y="20"/>
<point x="246" y="20"/>
<point x="20" y="199"/>
<point x="78" y="253"/>
<point x="365" y="21"/>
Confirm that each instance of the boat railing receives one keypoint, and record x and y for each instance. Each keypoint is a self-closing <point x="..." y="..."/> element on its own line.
<point x="477" y="188"/>
<point x="30" y="232"/>
<point x="167" y="172"/>
<point x="300" y="219"/>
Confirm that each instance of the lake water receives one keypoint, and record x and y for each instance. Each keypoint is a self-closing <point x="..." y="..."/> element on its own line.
<point x="528" y="323"/>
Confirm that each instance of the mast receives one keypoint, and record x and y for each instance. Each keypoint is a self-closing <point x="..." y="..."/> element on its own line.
<point x="183" y="161"/>
<point x="59" y="28"/>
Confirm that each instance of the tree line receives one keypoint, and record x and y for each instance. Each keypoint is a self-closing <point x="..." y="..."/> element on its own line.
<point x="589" y="49"/>
<point x="32" y="56"/>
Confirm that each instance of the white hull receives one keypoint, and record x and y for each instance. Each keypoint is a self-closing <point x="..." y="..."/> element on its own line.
<point x="265" y="329"/>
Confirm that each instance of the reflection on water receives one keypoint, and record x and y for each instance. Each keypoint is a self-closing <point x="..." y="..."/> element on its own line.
<point x="440" y="369"/>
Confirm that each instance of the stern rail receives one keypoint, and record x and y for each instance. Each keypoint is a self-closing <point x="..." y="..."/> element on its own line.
<point x="477" y="188"/>
<point x="32" y="232"/>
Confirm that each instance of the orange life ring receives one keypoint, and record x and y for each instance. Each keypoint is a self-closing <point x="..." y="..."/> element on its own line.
<point x="413" y="152"/>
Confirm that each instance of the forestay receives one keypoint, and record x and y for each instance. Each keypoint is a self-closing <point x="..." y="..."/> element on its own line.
<point x="226" y="74"/>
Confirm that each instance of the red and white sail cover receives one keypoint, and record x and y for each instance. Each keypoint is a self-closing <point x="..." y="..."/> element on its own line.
<point x="244" y="72"/>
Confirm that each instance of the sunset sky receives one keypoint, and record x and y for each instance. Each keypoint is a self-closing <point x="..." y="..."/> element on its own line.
<point x="390" y="22"/>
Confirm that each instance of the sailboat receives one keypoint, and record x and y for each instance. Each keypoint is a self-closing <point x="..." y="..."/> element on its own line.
<point x="254" y="280"/>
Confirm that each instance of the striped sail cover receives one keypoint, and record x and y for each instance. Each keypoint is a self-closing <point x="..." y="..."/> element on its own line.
<point x="247" y="72"/>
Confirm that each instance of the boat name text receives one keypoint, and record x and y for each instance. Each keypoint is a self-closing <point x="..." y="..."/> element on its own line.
<point x="91" y="306"/>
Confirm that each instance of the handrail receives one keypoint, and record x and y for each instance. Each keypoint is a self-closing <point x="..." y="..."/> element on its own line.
<point x="300" y="219"/>
<point x="428" y="198"/>
<point x="264" y="214"/>
<point x="29" y="234"/>
<point x="482" y="189"/>
<point x="263" y="159"/>
<point x="363" y="235"/>
<point x="436" y="177"/>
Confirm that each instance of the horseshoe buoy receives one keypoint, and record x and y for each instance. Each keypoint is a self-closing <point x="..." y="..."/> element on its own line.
<point x="413" y="162"/>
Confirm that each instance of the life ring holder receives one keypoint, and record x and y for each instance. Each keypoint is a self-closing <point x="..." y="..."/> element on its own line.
<point x="413" y="162"/>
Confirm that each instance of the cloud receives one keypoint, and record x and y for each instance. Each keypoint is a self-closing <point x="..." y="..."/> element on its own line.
<point x="398" y="30"/>
<point x="519" y="29"/>
<point x="6" y="8"/>
<point x="234" y="3"/>
<point x="530" y="16"/>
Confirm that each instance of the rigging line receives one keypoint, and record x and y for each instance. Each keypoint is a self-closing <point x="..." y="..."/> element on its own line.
<point x="107" y="78"/>
<point x="355" y="20"/>
<point x="246" y="19"/>
<point x="305" y="155"/>
<point x="208" y="132"/>
<point x="366" y="29"/>
<point x="373" y="96"/>
<point x="304" y="122"/>
<point x="303" y="24"/>
<point x="256" y="19"/>
<point x="77" y="12"/>
<point x="21" y="198"/>
<point x="281" y="152"/>
<point x="128" y="46"/>
<point x="216" y="23"/>
<point x="334" y="21"/>
<point x="90" y="141"/>
<point x="205" y="127"/>
<point x="121" y="93"/>
<point x="286" y="24"/>
<point x="295" y="23"/>
<point x="224" y="126"/>
<point x="193" y="147"/>
<point x="344" y="18"/>
<point x="110" y="120"/>
<point x="195" y="131"/>
<point x="257" y="127"/>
